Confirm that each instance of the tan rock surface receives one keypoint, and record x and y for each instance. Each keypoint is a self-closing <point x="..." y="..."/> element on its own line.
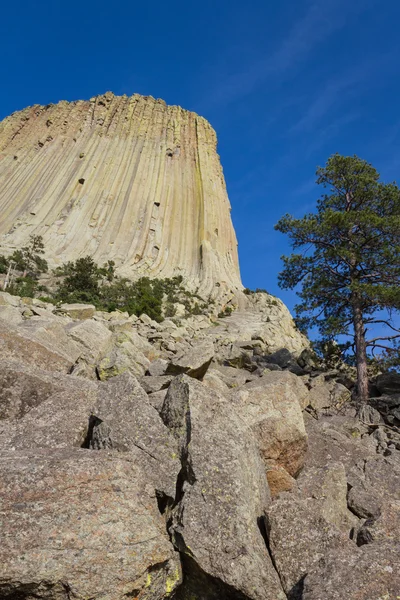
<point x="128" y="179"/>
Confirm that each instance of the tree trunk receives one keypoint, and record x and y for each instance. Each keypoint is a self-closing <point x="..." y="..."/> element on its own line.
<point x="361" y="354"/>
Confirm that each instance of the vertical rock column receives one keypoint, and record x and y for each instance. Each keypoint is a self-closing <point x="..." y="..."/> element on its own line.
<point x="128" y="179"/>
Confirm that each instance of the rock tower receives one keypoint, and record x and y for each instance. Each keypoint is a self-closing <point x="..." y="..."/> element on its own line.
<point x="128" y="179"/>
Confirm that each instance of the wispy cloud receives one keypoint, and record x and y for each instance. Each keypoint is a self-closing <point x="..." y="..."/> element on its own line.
<point x="322" y="19"/>
<point x="335" y="92"/>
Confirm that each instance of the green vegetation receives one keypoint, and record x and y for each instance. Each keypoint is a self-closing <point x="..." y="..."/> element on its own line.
<point x="248" y="291"/>
<point x="28" y="260"/>
<point x="349" y="264"/>
<point x="84" y="281"/>
<point x="228" y="310"/>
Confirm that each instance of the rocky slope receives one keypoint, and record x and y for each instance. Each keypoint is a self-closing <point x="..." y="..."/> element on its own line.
<point x="125" y="179"/>
<point x="189" y="460"/>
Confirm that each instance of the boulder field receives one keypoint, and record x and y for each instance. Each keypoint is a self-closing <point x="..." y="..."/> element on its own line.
<point x="191" y="460"/>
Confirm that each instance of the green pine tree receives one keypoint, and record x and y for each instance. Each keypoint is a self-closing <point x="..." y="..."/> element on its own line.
<point x="348" y="266"/>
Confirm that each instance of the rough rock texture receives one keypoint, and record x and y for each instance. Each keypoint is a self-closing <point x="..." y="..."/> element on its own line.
<point x="128" y="179"/>
<point x="216" y="524"/>
<point x="100" y="535"/>
<point x="170" y="487"/>
<point x="369" y="574"/>
<point x="271" y="407"/>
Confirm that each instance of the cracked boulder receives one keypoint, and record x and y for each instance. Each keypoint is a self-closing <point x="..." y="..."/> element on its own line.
<point x="326" y="395"/>
<point x="271" y="408"/>
<point x="79" y="524"/>
<point x="123" y="419"/>
<point x="375" y="496"/>
<point x="194" y="362"/>
<point x="299" y="537"/>
<point x="222" y="495"/>
<point x="115" y="415"/>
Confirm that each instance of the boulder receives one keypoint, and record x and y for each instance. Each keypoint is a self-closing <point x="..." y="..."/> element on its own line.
<point x="78" y="311"/>
<point x="223" y="495"/>
<point x="232" y="377"/>
<point x="10" y="314"/>
<point x="270" y="407"/>
<point x="84" y="525"/>
<point x="299" y="537"/>
<point x="367" y="573"/>
<point x="123" y="419"/>
<point x="374" y="494"/>
<point x="39" y="344"/>
<point x="152" y="384"/>
<point x="388" y="407"/>
<point x="328" y="486"/>
<point x="212" y="380"/>
<point x="285" y="360"/>
<point x="388" y="383"/>
<point x="94" y="339"/>
<point x="121" y="358"/>
<point x="365" y="504"/>
<point x="278" y="479"/>
<point x="23" y="387"/>
<point x="156" y="399"/>
<point x="60" y="420"/>
<point x="326" y="395"/>
<point x="195" y="362"/>
<point x="157" y="367"/>
<point x="7" y="299"/>
<point x="234" y="356"/>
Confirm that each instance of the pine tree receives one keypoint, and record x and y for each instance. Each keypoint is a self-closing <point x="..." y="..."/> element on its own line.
<point x="349" y="265"/>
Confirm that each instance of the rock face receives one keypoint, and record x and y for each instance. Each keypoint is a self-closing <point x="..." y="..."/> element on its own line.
<point x="128" y="179"/>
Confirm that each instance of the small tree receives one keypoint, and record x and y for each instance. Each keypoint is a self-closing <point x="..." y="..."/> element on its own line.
<point x="30" y="258"/>
<point x="349" y="268"/>
<point x="81" y="283"/>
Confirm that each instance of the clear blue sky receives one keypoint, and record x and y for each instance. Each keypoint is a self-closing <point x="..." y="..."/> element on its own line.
<point x="285" y="84"/>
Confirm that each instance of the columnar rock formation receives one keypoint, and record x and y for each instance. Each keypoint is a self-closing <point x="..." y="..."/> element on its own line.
<point x="128" y="179"/>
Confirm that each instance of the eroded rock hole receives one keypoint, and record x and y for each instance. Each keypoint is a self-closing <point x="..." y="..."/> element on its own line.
<point x="93" y="422"/>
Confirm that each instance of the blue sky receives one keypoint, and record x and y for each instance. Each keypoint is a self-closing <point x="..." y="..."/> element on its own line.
<point x="285" y="84"/>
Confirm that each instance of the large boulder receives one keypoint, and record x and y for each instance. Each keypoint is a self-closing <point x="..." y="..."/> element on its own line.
<point x="217" y="524"/>
<point x="122" y="357"/>
<point x="369" y="573"/>
<point x="23" y="387"/>
<point x="7" y="299"/>
<point x="328" y="485"/>
<point x="123" y="419"/>
<point x="299" y="537"/>
<point x="59" y="420"/>
<point x="271" y="408"/>
<point x="374" y="494"/>
<point x="232" y="377"/>
<point x="78" y="311"/>
<point x="39" y="343"/>
<point x="388" y="383"/>
<point x="93" y="337"/>
<point x="194" y="362"/>
<point x="155" y="383"/>
<point x="326" y="395"/>
<point x="10" y="314"/>
<point x="78" y="524"/>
